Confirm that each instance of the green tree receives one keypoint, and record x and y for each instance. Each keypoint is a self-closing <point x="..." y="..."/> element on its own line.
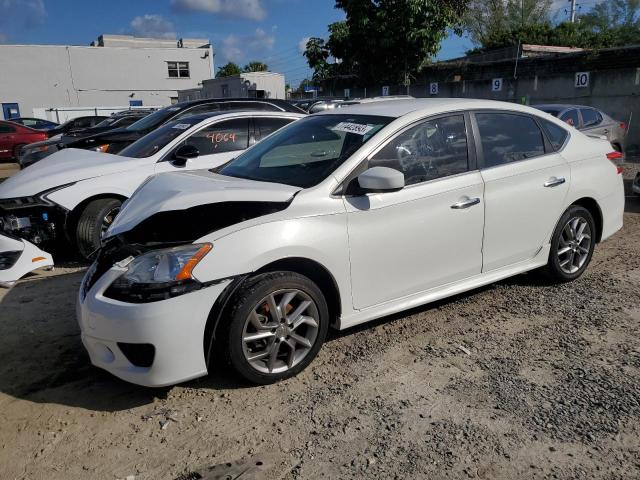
<point x="384" y="40"/>
<point x="609" y="24"/>
<point x="613" y="14"/>
<point x="228" y="70"/>
<point x="255" y="67"/>
<point x="484" y="20"/>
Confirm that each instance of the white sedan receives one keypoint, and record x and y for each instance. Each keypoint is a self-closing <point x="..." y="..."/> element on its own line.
<point x="337" y="219"/>
<point x="77" y="193"/>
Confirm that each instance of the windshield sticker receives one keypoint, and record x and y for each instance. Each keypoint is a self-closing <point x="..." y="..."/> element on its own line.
<point x="356" y="128"/>
<point x="173" y="109"/>
<point x="181" y="126"/>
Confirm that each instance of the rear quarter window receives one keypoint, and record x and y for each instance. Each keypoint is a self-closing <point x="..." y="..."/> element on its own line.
<point x="557" y="135"/>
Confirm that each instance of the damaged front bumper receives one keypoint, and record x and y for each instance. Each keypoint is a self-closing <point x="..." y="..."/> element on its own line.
<point x="42" y="225"/>
<point x="19" y="257"/>
<point x="152" y="344"/>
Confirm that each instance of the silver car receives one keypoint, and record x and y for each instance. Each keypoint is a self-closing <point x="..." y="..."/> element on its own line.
<point x="590" y="121"/>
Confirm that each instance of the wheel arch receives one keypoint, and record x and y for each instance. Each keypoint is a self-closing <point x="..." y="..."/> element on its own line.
<point x="594" y="209"/>
<point x="311" y="269"/>
<point x="74" y="215"/>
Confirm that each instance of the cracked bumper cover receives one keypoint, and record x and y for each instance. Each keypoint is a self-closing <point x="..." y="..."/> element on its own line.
<point x="175" y="327"/>
<point x="19" y="257"/>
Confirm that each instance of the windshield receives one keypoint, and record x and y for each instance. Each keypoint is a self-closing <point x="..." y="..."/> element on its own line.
<point x="307" y="151"/>
<point x="151" y="121"/>
<point x="155" y="141"/>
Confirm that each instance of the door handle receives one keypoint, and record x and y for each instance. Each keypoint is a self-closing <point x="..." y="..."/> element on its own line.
<point x="469" y="202"/>
<point x="554" y="182"/>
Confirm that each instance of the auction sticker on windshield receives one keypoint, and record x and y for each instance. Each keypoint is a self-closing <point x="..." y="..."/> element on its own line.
<point x="356" y="128"/>
<point x="182" y="126"/>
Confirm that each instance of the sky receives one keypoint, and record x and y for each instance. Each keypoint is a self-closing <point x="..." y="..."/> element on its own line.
<point x="271" y="31"/>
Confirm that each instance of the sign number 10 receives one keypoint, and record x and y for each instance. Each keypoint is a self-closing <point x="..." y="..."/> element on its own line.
<point x="582" y="79"/>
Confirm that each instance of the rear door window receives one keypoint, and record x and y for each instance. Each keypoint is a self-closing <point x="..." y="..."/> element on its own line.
<point x="590" y="117"/>
<point x="6" y="128"/>
<point x="265" y="126"/>
<point x="507" y="138"/>
<point x="570" y="117"/>
<point x="225" y="136"/>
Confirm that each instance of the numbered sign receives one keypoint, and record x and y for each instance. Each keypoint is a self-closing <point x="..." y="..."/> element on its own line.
<point x="347" y="92"/>
<point x="385" y="91"/>
<point x="433" y="88"/>
<point x="582" y="79"/>
<point x="496" y="85"/>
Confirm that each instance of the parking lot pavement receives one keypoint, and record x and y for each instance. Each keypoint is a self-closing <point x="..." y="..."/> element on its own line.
<point x="8" y="169"/>
<point x="520" y="379"/>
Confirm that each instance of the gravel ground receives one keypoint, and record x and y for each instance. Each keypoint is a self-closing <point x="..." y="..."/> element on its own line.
<point x="516" y="380"/>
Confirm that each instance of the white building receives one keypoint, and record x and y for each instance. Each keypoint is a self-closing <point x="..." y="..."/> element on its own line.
<point x="116" y="70"/>
<point x="250" y="84"/>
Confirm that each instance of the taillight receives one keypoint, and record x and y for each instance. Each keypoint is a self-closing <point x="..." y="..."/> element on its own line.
<point x="616" y="158"/>
<point x="623" y="126"/>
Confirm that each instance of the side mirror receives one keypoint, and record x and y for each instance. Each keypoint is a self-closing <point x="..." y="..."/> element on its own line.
<point x="381" y="179"/>
<point x="184" y="153"/>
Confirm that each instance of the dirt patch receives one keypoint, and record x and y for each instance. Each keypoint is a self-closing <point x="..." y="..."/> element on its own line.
<point x="546" y="386"/>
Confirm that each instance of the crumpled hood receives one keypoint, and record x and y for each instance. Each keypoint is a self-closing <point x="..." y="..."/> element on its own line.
<point x="177" y="191"/>
<point x="63" y="167"/>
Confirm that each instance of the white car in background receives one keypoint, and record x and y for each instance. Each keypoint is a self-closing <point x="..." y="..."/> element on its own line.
<point x="337" y="219"/>
<point x="77" y="193"/>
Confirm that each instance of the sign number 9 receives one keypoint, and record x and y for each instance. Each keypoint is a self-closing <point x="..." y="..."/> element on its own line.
<point x="496" y="85"/>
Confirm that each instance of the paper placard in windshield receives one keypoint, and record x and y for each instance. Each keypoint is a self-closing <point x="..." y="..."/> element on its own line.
<point x="181" y="126"/>
<point x="356" y="128"/>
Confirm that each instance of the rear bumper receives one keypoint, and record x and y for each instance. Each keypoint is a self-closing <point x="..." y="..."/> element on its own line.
<point x="612" y="207"/>
<point x="173" y="327"/>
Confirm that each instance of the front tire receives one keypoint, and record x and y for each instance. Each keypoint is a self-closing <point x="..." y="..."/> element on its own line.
<point x="572" y="244"/>
<point x="93" y="223"/>
<point x="276" y="326"/>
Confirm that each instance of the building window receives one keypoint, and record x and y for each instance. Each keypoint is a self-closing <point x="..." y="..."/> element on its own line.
<point x="178" y="69"/>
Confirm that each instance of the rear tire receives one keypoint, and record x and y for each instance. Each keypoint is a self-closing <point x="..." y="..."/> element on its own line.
<point x="93" y="222"/>
<point x="572" y="245"/>
<point x="290" y="338"/>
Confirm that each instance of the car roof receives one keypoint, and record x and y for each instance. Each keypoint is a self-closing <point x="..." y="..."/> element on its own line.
<point x="199" y="117"/>
<point x="427" y="106"/>
<point x="275" y="101"/>
<point x="561" y="106"/>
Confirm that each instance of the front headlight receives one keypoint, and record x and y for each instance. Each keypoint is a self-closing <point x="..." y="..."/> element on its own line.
<point x="159" y="274"/>
<point x="39" y="200"/>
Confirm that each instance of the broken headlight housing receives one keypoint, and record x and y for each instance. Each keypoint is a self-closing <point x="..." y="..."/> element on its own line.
<point x="159" y="274"/>
<point x="40" y="199"/>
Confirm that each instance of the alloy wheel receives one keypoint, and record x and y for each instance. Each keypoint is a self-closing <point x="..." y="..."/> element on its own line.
<point x="574" y="245"/>
<point x="280" y="331"/>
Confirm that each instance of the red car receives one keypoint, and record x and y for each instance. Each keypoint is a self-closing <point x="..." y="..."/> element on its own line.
<point x="13" y="136"/>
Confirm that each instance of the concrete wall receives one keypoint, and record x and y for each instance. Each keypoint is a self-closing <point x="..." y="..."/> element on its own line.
<point x="48" y="76"/>
<point x="273" y="85"/>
